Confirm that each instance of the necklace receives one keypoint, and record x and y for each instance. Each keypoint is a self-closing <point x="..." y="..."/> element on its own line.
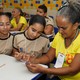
<point x="68" y="43"/>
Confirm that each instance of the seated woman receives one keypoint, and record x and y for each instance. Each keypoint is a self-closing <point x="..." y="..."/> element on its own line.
<point x="31" y="41"/>
<point x="18" y="22"/>
<point x="6" y="39"/>
<point x="65" y="46"/>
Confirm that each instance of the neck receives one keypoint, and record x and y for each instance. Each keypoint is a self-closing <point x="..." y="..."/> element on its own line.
<point x="75" y="35"/>
<point x="68" y="41"/>
<point x="2" y="36"/>
<point x="17" y="19"/>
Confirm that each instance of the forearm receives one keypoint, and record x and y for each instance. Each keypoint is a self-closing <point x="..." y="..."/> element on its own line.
<point x="43" y="60"/>
<point x="47" y="58"/>
<point x="14" y="29"/>
<point x="72" y="69"/>
<point x="60" y="71"/>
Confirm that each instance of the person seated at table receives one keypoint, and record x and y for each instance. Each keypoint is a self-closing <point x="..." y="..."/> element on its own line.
<point x="49" y="29"/>
<point x="31" y="41"/>
<point x="65" y="46"/>
<point x="18" y="22"/>
<point x="6" y="38"/>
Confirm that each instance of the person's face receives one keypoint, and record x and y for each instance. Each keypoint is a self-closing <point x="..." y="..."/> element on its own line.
<point x="35" y="30"/>
<point x="40" y="12"/>
<point x="48" y="30"/>
<point x="4" y="25"/>
<point x="66" y="28"/>
<point x="15" y="13"/>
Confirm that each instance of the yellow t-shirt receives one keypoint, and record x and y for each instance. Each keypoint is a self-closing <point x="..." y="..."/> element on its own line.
<point x="74" y="48"/>
<point x="22" y="20"/>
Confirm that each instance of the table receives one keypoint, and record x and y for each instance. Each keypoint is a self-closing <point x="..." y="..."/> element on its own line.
<point x="11" y="69"/>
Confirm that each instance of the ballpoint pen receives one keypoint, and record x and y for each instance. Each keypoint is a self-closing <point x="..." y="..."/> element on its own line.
<point x="20" y="49"/>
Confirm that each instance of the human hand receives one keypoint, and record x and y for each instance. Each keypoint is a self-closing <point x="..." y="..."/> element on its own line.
<point x="18" y="55"/>
<point x="33" y="57"/>
<point x="26" y="57"/>
<point x="35" y="68"/>
<point x="29" y="57"/>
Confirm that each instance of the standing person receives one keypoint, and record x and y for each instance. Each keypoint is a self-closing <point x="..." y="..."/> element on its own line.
<point x="6" y="39"/>
<point x="65" y="46"/>
<point x="49" y="29"/>
<point x="31" y="41"/>
<point x="18" y="22"/>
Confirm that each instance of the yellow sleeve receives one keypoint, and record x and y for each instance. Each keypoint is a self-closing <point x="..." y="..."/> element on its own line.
<point x="55" y="40"/>
<point x="23" y="20"/>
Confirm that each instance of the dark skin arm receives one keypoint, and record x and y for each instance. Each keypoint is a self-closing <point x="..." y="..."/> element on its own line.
<point x="46" y="58"/>
<point x="69" y="70"/>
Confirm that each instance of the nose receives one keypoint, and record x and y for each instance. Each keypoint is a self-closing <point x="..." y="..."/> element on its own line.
<point x="35" y="34"/>
<point x="5" y="26"/>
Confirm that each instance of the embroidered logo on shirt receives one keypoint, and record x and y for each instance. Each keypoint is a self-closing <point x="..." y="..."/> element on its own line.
<point x="69" y="58"/>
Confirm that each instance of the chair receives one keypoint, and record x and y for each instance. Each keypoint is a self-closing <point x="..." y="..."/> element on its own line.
<point x="55" y="30"/>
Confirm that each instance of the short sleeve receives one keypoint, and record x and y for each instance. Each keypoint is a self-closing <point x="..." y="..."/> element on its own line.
<point x="47" y="46"/>
<point x="23" y="20"/>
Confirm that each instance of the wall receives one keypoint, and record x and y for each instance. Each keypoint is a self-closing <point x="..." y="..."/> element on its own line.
<point x="30" y="6"/>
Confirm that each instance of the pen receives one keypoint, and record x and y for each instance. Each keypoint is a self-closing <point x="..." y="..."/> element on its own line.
<point x="21" y="49"/>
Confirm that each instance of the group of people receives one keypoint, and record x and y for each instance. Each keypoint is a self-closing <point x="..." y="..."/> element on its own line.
<point x="19" y="22"/>
<point x="33" y="46"/>
<point x="65" y="46"/>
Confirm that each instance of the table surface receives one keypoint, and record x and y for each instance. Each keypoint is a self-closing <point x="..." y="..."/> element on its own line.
<point x="11" y="69"/>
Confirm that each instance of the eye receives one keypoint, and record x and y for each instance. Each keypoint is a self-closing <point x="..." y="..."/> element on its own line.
<point x="40" y="33"/>
<point x="64" y="28"/>
<point x="33" y="30"/>
<point x="8" y="24"/>
<point x="40" y="12"/>
<point x="1" y="24"/>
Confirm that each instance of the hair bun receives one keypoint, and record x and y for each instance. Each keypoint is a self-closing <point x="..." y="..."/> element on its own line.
<point x="74" y="4"/>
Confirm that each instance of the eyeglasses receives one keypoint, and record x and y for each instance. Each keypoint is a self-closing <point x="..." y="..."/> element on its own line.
<point x="5" y="24"/>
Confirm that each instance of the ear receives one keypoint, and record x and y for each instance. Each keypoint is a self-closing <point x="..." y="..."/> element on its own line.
<point x="75" y="26"/>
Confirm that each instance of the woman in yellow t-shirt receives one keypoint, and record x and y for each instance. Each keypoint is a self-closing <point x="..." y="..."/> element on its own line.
<point x="18" y="22"/>
<point x="65" y="46"/>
